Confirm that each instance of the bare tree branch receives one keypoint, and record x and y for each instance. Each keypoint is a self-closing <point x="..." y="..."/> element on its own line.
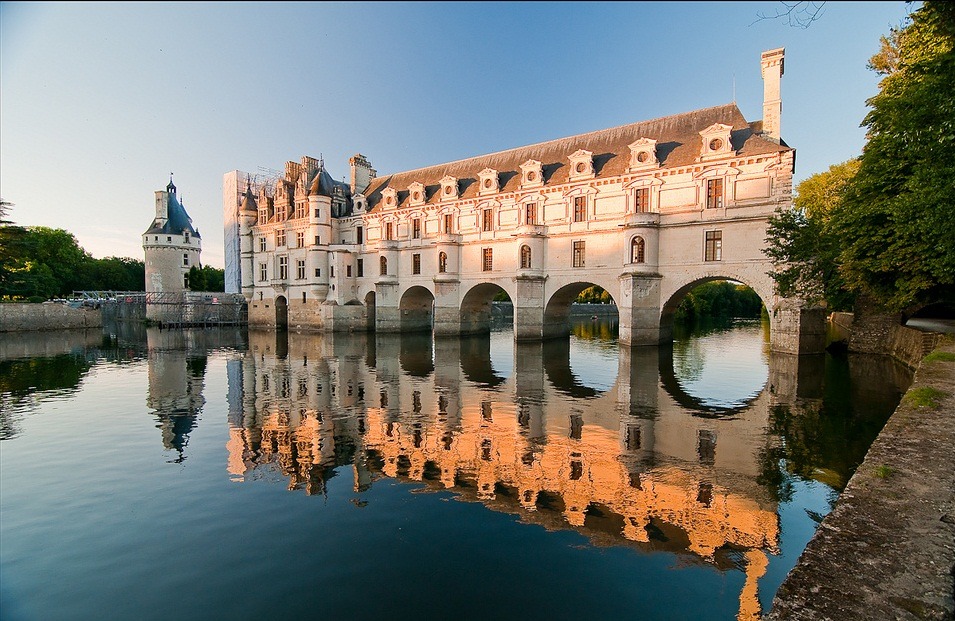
<point x="797" y="14"/>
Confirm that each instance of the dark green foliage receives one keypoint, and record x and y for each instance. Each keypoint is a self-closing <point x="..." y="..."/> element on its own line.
<point x="206" y="278"/>
<point x="38" y="263"/>
<point x="594" y="295"/>
<point x="719" y="299"/>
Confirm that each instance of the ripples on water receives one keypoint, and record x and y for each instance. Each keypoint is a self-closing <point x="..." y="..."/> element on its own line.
<point x="224" y="474"/>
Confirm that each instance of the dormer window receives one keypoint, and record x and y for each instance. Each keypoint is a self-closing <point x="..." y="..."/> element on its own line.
<point x="488" y="181"/>
<point x="716" y="141"/>
<point x="643" y="154"/>
<point x="581" y="165"/>
<point x="416" y="193"/>
<point x="532" y="174"/>
<point x="389" y="196"/>
<point x="359" y="202"/>
<point x="449" y="188"/>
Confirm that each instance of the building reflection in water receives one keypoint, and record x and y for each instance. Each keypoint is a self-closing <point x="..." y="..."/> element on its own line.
<point x="634" y="465"/>
<point x="176" y="370"/>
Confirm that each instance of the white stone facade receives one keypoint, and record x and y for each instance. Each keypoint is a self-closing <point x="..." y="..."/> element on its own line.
<point x="646" y="211"/>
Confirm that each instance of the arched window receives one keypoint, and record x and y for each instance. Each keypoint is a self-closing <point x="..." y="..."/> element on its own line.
<point x="525" y="257"/>
<point x="442" y="262"/>
<point x="637" y="250"/>
<point x="383" y="265"/>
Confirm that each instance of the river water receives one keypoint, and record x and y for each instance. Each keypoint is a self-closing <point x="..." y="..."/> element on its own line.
<point x="224" y="474"/>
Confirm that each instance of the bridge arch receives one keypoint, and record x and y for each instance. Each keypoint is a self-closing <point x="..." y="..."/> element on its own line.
<point x="476" y="306"/>
<point x="558" y="304"/>
<point x="281" y="313"/>
<point x="370" y="300"/>
<point x="673" y="299"/>
<point x="416" y="309"/>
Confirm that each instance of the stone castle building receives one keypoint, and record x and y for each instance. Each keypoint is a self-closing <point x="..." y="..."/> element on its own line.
<point x="647" y="211"/>
<point x="171" y="244"/>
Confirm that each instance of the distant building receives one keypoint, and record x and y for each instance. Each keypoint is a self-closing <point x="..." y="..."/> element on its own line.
<point x="171" y="244"/>
<point x="646" y="211"/>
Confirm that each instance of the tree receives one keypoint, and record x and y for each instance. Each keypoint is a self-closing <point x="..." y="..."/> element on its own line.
<point x="895" y="223"/>
<point x="206" y="278"/>
<point x="802" y="246"/>
<point x="12" y="265"/>
<point x="881" y="227"/>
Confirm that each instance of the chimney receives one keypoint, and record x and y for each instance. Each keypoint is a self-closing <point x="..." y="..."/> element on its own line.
<point x="361" y="173"/>
<point x="162" y="200"/>
<point x="772" y="70"/>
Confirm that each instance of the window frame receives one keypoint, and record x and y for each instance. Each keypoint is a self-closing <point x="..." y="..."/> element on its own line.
<point x="580" y="253"/>
<point x="713" y="245"/>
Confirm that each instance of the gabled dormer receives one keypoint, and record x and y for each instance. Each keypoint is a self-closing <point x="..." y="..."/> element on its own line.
<point x="449" y="188"/>
<point x="389" y="198"/>
<point x="489" y="181"/>
<point x="643" y="154"/>
<point x="716" y="141"/>
<point x="416" y="194"/>
<point x="532" y="174"/>
<point x="581" y="165"/>
<point x="360" y="202"/>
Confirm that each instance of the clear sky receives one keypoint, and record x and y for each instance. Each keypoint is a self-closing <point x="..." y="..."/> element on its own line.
<point x="100" y="102"/>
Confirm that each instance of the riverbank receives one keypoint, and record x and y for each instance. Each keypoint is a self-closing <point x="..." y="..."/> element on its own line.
<point x="24" y="317"/>
<point x="887" y="550"/>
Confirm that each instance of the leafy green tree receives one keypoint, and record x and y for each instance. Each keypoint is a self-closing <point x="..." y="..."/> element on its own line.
<point x="895" y="224"/>
<point x="12" y="250"/>
<point x="802" y="245"/>
<point x="59" y="251"/>
<point x="206" y="278"/>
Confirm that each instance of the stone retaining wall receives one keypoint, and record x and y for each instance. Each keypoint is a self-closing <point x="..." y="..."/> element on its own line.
<point x="17" y="317"/>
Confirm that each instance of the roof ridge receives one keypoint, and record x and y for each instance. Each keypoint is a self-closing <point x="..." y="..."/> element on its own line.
<point x="553" y="140"/>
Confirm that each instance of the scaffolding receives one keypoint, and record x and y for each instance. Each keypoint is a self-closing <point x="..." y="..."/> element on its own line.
<point x="175" y="309"/>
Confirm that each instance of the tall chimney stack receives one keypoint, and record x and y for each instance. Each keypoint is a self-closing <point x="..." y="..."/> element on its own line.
<point x="361" y="173"/>
<point x="772" y="70"/>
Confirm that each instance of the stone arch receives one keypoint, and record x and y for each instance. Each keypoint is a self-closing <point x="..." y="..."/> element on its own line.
<point x="281" y="313"/>
<point x="370" y="299"/>
<point x="477" y="307"/>
<point x="416" y="309"/>
<point x="673" y="300"/>
<point x="558" y="306"/>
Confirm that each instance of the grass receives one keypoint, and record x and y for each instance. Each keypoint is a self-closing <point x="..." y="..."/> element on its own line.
<point x="940" y="356"/>
<point x="925" y="397"/>
<point x="882" y="471"/>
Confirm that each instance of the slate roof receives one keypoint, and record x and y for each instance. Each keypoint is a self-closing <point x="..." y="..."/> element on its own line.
<point x="678" y="143"/>
<point x="177" y="221"/>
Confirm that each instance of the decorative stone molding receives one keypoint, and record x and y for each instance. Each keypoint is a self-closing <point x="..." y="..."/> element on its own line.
<point x="416" y="194"/>
<point x="581" y="165"/>
<point x="389" y="198"/>
<point x="489" y="182"/>
<point x="643" y="154"/>
<point x="449" y="188"/>
<point x="716" y="141"/>
<point x="532" y="174"/>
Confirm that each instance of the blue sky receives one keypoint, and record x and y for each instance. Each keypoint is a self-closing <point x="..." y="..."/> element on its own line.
<point x="100" y="102"/>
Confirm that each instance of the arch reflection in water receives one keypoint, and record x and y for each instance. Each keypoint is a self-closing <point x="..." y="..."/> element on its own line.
<point x="626" y="465"/>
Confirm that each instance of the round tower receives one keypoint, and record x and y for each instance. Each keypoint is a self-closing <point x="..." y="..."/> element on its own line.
<point x="248" y="215"/>
<point x="171" y="245"/>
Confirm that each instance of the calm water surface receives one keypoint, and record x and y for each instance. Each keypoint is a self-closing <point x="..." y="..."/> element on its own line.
<point x="228" y="475"/>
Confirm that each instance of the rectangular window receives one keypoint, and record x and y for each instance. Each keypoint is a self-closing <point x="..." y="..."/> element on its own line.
<point x="185" y="236"/>
<point x="331" y="271"/>
<point x="300" y="210"/>
<point x="714" y="193"/>
<point x="361" y="267"/>
<point x="318" y="272"/>
<point x="416" y="228"/>
<point x="263" y="272"/>
<point x="579" y="254"/>
<point x="348" y="271"/>
<point x="487" y="221"/>
<point x="488" y="263"/>
<point x="389" y="231"/>
<point x="580" y="208"/>
<point x="283" y="268"/>
<point x="262" y="245"/>
<point x="359" y="235"/>
<point x="642" y="200"/>
<point x="185" y="258"/>
<point x="448" y="223"/>
<point x="263" y="216"/>
<point x="300" y="270"/>
<point x="416" y="263"/>
<point x="713" y="250"/>
<point x="530" y="213"/>
<point x="318" y="240"/>
<point x="300" y="239"/>
<point x="279" y="239"/>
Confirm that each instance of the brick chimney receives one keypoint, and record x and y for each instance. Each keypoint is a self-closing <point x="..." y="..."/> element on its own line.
<point x="772" y="70"/>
